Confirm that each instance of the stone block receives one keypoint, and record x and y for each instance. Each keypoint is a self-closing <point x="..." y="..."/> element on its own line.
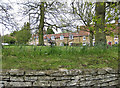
<point x="98" y="77"/>
<point x="3" y="82"/>
<point x="89" y="78"/>
<point x="20" y="84"/>
<point x="4" y="73"/>
<point x="62" y="78"/>
<point x="16" y="72"/>
<point x="111" y="71"/>
<point x="89" y="72"/>
<point x="30" y="79"/>
<point x="34" y="73"/>
<point x="104" y="84"/>
<point x="101" y="72"/>
<point x="60" y="74"/>
<point x="58" y="83"/>
<point x="40" y="73"/>
<point x="112" y="83"/>
<point x="16" y="79"/>
<point x="46" y="78"/>
<point x="110" y="75"/>
<point x="5" y="78"/>
<point x="41" y="83"/>
<point x="74" y="72"/>
<point x="1" y="85"/>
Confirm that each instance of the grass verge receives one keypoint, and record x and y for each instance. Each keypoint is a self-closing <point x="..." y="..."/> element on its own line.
<point x="45" y="57"/>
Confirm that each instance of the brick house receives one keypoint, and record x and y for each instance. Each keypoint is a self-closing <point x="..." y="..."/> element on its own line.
<point x="62" y="39"/>
<point x="77" y="38"/>
<point x="111" y="40"/>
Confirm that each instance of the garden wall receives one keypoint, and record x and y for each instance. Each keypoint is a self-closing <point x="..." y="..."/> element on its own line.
<point x="61" y="77"/>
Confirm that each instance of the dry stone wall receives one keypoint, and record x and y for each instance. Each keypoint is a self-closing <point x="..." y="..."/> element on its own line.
<point x="62" y="77"/>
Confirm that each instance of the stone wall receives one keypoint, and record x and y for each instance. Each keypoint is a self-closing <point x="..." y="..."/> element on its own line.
<point x="61" y="77"/>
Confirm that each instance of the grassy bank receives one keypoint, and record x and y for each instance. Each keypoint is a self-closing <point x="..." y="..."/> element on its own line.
<point x="42" y="58"/>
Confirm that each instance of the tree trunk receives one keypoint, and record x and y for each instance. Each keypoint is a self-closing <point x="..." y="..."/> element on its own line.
<point x="91" y="38"/>
<point x="100" y="37"/>
<point x="41" y="25"/>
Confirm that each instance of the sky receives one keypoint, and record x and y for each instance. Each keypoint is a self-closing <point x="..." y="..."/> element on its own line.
<point x="19" y="17"/>
<point x="12" y="3"/>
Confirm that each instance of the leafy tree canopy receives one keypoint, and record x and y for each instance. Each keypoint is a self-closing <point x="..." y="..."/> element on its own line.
<point x="49" y="30"/>
<point x="8" y="39"/>
<point x="24" y="34"/>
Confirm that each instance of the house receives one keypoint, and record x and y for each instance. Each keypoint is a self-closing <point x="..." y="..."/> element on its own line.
<point x="62" y="39"/>
<point x="111" y="40"/>
<point x="70" y="39"/>
<point x="77" y="38"/>
<point x="34" y="39"/>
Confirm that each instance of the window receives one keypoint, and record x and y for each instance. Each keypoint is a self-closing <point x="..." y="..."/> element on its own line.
<point x="84" y="44"/>
<point x="84" y="38"/>
<point x="52" y="37"/>
<point x="30" y="38"/>
<point x="94" y="37"/>
<point x="93" y="43"/>
<point x="116" y="42"/>
<point x="37" y="43"/>
<point x="61" y="44"/>
<point x="45" y="39"/>
<point x="115" y="36"/>
<point x="61" y="37"/>
<point x="70" y="43"/>
<point x="37" y="37"/>
<point x="34" y="37"/>
<point x="70" y="36"/>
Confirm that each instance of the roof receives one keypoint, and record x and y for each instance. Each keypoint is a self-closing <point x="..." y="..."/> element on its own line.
<point x="84" y="32"/>
<point x="81" y="33"/>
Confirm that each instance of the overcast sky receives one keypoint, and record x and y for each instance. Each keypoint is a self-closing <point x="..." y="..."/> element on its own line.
<point x="14" y="12"/>
<point x="19" y="17"/>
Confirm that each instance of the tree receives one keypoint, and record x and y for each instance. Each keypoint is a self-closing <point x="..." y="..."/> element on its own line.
<point x="96" y="17"/>
<point x="45" y="14"/>
<point x="24" y="34"/>
<point x="9" y="39"/>
<point x="49" y="30"/>
<point x="6" y="18"/>
<point x="100" y="37"/>
<point x="41" y="25"/>
<point x="105" y="13"/>
<point x="13" y="33"/>
<point x="84" y="11"/>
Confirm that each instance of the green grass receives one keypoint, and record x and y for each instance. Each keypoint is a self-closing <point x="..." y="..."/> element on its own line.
<point x="45" y="57"/>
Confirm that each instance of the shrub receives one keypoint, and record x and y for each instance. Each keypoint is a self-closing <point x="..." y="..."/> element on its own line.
<point x="8" y="39"/>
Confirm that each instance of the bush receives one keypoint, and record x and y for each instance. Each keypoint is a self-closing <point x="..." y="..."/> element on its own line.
<point x="23" y="35"/>
<point x="8" y="39"/>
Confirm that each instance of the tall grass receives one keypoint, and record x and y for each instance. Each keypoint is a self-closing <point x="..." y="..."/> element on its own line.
<point x="46" y="57"/>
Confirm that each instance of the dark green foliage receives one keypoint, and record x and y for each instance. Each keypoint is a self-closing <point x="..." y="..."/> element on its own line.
<point x="49" y="30"/>
<point x="13" y="34"/>
<point x="23" y="35"/>
<point x="8" y="39"/>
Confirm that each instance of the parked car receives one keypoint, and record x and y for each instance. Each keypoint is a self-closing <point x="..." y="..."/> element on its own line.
<point x="5" y="44"/>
